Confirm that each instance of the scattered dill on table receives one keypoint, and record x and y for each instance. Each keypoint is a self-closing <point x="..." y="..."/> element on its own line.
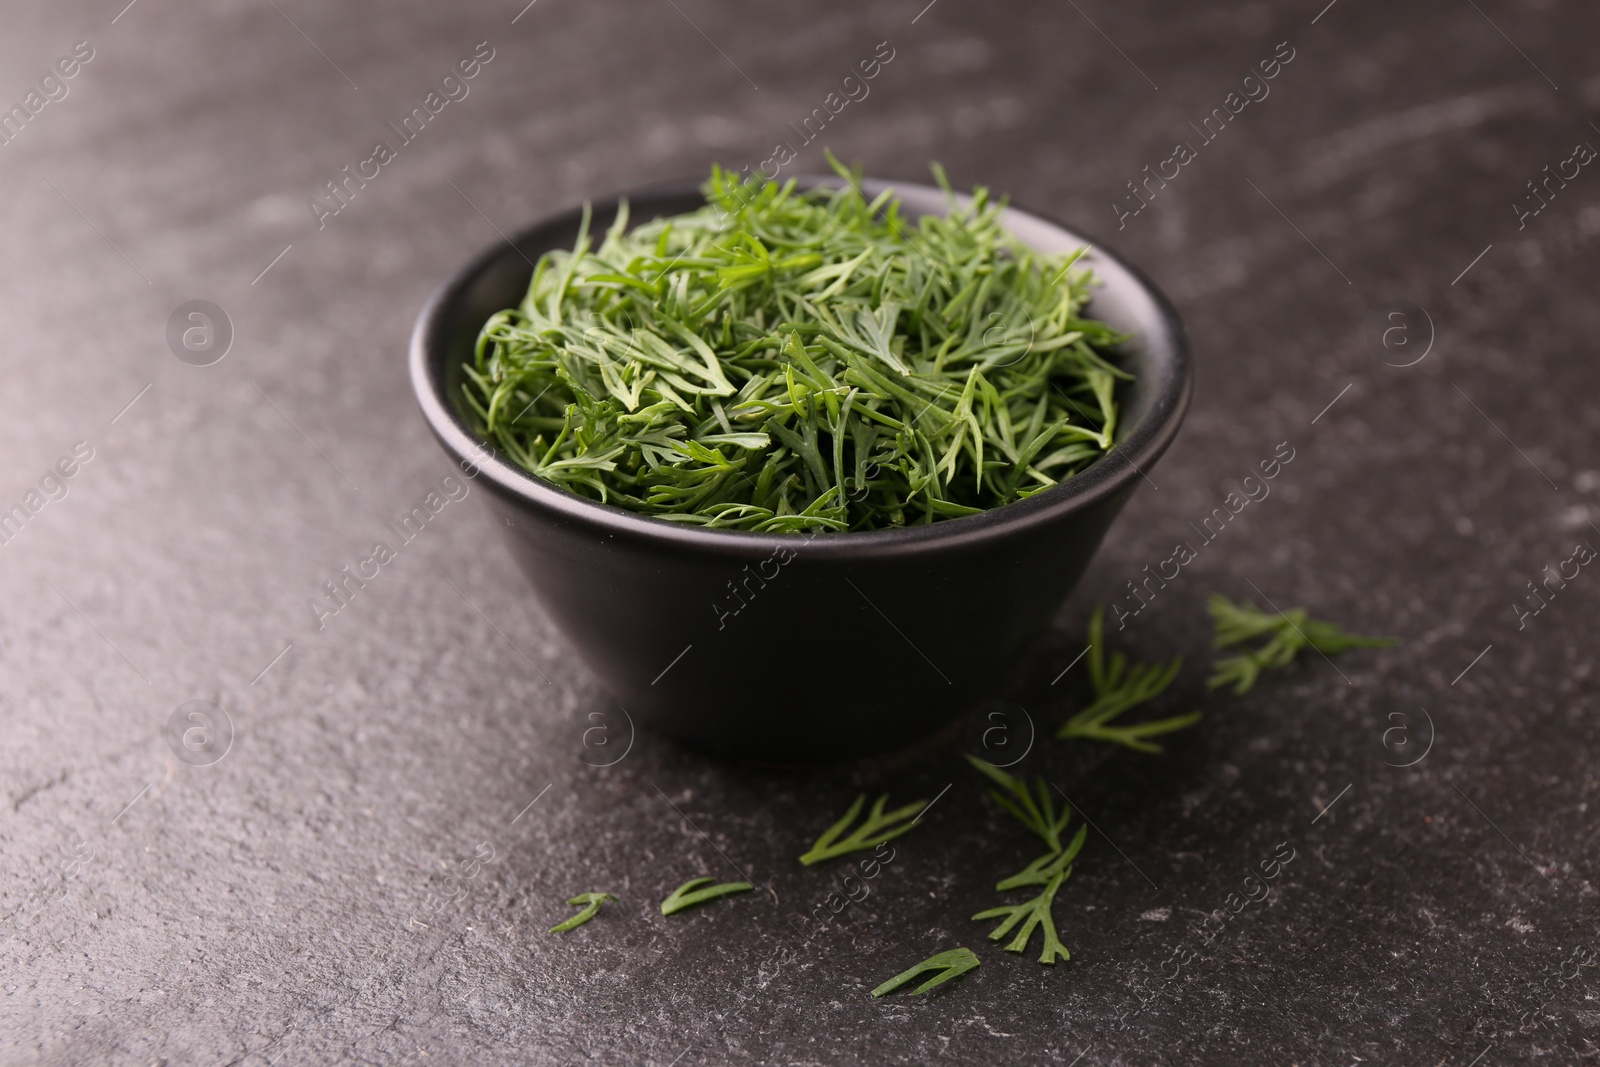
<point x="1288" y="634"/>
<point x="690" y="893"/>
<point x="590" y="902"/>
<point x="1118" y="688"/>
<point x="874" y="830"/>
<point x="1036" y="912"/>
<point x="785" y="360"/>
<point x="1036" y="810"/>
<point x="949" y="965"/>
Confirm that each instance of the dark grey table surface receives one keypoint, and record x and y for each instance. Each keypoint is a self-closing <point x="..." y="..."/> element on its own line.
<point x="361" y="877"/>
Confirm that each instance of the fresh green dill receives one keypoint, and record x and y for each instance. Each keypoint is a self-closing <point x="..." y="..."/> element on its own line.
<point x="878" y="827"/>
<point x="1047" y="866"/>
<point x="688" y="895"/>
<point x="1035" y="810"/>
<point x="591" y="907"/>
<point x="1291" y="632"/>
<point x="1032" y="914"/>
<point x="1118" y="688"/>
<point x="952" y="964"/>
<point x="784" y="360"/>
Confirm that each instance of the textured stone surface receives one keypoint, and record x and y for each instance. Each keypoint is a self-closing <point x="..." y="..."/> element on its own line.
<point x="315" y="895"/>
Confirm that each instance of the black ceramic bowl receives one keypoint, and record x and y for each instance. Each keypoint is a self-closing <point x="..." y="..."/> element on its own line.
<point x="786" y="647"/>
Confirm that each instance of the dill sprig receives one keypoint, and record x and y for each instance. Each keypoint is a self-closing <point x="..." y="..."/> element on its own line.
<point x="1291" y="632"/>
<point x="878" y="827"/>
<point x="1047" y="866"/>
<point x="951" y="964"/>
<point x="687" y="895"/>
<point x="1032" y="914"/>
<point x="1119" y="687"/>
<point x="1036" y="810"/>
<point x="591" y="907"/>
<point x="784" y="360"/>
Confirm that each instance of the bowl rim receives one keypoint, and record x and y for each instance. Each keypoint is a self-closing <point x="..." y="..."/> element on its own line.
<point x="1140" y="446"/>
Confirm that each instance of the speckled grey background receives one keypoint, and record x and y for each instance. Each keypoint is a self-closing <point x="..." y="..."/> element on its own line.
<point x="361" y="879"/>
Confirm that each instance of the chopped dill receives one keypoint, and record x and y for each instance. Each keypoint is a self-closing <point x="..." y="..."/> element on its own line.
<point x="689" y="893"/>
<point x="1291" y="632"/>
<point x="591" y="907"/>
<point x="951" y="964"/>
<point x="877" y="828"/>
<point x="784" y="360"/>
<point x="1032" y="914"/>
<point x="1120" y="687"/>
<point x="1036" y="810"/>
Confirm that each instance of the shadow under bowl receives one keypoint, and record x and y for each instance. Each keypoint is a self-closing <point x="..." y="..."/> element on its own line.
<point x="846" y="644"/>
